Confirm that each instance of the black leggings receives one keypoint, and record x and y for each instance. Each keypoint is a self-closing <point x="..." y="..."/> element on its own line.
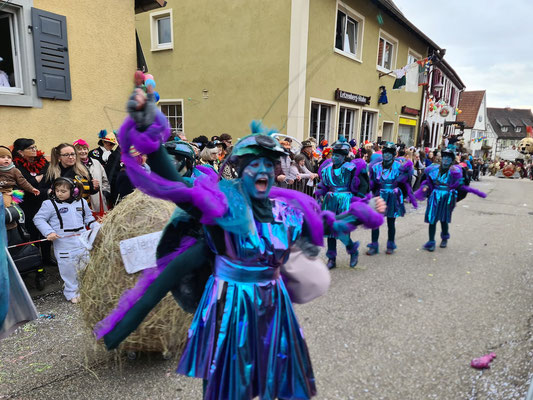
<point x="391" y="230"/>
<point x="433" y="229"/>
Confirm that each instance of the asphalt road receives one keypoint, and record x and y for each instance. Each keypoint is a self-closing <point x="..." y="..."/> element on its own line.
<point x="404" y="326"/>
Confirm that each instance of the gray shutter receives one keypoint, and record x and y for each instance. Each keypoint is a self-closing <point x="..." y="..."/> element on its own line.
<point x="50" y="46"/>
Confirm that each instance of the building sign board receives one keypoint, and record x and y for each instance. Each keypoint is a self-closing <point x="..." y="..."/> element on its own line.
<point x="407" y="121"/>
<point x="348" y="97"/>
<point x="410" y="111"/>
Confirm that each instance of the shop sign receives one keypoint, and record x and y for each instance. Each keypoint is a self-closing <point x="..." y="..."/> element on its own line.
<point x="410" y="111"/>
<point x="407" y="121"/>
<point x="341" y="95"/>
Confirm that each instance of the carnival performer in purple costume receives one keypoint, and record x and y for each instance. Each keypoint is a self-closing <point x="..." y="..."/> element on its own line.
<point x="340" y="181"/>
<point x="442" y="184"/>
<point x="386" y="177"/>
<point x="245" y="340"/>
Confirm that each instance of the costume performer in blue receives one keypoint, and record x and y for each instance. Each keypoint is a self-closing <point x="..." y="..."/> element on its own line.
<point x="387" y="179"/>
<point x="442" y="185"/>
<point x="340" y="181"/>
<point x="244" y="340"/>
<point x="16" y="305"/>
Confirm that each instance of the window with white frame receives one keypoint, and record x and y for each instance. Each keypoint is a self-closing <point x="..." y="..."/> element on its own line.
<point x="505" y="128"/>
<point x="387" y="48"/>
<point x="173" y="110"/>
<point x="349" y="31"/>
<point x="346" y="122"/>
<point x="518" y="129"/>
<point x="413" y="56"/>
<point x="320" y="121"/>
<point x="10" y="63"/>
<point x="161" y="30"/>
<point x="368" y="119"/>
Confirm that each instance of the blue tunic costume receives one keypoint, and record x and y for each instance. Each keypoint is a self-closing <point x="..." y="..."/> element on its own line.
<point x="337" y="181"/>
<point x="442" y="193"/>
<point x="384" y="182"/>
<point x="258" y="322"/>
<point x="245" y="340"/>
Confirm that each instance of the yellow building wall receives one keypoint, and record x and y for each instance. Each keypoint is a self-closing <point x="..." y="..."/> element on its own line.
<point x="236" y="50"/>
<point x="101" y="42"/>
<point x="328" y="70"/>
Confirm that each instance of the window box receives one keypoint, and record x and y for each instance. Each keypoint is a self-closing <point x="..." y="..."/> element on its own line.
<point x="387" y="52"/>
<point x="162" y="30"/>
<point x="349" y="32"/>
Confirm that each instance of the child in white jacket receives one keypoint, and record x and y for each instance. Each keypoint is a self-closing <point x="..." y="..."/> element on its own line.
<point x="61" y="219"/>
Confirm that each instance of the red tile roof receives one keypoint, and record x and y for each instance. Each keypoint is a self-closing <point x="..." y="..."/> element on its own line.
<point x="469" y="104"/>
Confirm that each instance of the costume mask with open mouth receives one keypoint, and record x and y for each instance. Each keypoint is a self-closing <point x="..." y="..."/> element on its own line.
<point x="258" y="178"/>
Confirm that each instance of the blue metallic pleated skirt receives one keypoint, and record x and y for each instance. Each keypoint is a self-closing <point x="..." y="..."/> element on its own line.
<point x="245" y="338"/>
<point x="393" y="197"/>
<point x="337" y="202"/>
<point x="441" y="203"/>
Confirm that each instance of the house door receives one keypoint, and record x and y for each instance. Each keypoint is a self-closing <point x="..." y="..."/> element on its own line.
<point x="387" y="132"/>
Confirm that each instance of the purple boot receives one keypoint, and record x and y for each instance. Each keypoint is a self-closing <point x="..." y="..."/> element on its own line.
<point x="391" y="246"/>
<point x="373" y="248"/>
<point x="444" y="242"/>
<point x="332" y="256"/>
<point x="354" y="253"/>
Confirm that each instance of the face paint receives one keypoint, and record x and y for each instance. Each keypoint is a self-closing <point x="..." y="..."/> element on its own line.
<point x="387" y="156"/>
<point x="258" y="177"/>
<point x="446" y="162"/>
<point x="337" y="159"/>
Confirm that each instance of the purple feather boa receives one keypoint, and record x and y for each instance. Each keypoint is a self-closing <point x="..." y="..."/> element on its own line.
<point x="208" y="171"/>
<point x="360" y="165"/>
<point x="132" y="296"/>
<point x="369" y="217"/>
<point x="204" y="195"/>
<point x="475" y="191"/>
<point x="420" y="194"/>
<point x="324" y="165"/>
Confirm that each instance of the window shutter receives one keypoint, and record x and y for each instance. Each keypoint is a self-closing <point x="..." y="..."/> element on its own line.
<point x="50" y="46"/>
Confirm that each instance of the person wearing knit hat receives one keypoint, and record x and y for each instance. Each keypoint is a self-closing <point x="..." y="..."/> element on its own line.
<point x="10" y="178"/>
<point x="107" y="141"/>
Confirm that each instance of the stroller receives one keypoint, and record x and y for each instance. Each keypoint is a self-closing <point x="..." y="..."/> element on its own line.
<point x="27" y="258"/>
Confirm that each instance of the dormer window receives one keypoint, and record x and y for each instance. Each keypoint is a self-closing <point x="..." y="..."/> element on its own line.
<point x="518" y="129"/>
<point x="505" y="128"/>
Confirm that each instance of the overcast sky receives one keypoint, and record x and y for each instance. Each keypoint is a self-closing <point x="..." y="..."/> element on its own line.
<point x="489" y="43"/>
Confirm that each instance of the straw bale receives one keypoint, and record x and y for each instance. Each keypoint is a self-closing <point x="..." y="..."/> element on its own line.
<point x="105" y="279"/>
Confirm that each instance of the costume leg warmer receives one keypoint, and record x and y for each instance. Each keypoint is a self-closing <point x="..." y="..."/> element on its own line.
<point x="352" y="248"/>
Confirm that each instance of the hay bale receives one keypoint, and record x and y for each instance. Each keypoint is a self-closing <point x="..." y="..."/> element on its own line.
<point x="105" y="279"/>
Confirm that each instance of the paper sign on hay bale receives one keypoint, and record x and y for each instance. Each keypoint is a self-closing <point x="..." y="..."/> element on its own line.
<point x="105" y="279"/>
<point x="138" y="253"/>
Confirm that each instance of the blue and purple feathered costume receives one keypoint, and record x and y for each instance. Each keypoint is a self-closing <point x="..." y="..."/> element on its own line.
<point x="245" y="340"/>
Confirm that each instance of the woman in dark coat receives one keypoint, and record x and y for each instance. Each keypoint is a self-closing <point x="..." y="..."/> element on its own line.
<point x="33" y="166"/>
